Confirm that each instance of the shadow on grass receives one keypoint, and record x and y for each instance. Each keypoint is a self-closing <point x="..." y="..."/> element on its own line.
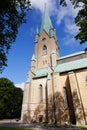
<point x="66" y="126"/>
<point x="8" y="128"/>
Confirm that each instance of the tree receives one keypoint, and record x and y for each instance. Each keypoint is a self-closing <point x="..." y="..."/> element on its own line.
<point x="10" y="99"/>
<point x="81" y="18"/>
<point x="12" y="15"/>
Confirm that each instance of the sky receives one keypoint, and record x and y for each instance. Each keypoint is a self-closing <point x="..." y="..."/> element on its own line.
<point x="20" y="54"/>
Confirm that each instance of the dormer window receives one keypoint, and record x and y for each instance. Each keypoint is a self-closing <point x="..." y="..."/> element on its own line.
<point x="44" y="50"/>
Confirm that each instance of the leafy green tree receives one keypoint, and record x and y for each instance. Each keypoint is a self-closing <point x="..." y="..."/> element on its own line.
<point x="81" y="18"/>
<point x="12" y="15"/>
<point x="10" y="99"/>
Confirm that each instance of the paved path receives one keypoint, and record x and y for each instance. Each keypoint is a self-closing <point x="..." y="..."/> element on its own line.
<point x="33" y="126"/>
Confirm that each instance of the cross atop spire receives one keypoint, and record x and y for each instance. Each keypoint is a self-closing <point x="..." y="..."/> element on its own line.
<point x="46" y="22"/>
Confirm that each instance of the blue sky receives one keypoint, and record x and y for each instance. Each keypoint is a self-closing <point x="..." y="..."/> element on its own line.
<point x="20" y="54"/>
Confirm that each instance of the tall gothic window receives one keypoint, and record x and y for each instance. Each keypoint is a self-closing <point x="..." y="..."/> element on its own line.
<point x="66" y="98"/>
<point x="44" y="50"/>
<point x="41" y="93"/>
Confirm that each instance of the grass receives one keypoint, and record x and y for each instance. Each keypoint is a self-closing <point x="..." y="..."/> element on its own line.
<point x="46" y="125"/>
<point x="8" y="128"/>
<point x="68" y="126"/>
<point x="81" y="127"/>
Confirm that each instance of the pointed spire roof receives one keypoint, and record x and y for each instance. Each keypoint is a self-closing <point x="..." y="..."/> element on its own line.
<point x="33" y="57"/>
<point x="37" y="30"/>
<point x="46" y="21"/>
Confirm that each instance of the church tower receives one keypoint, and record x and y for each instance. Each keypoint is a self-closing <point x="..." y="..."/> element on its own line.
<point x="46" y="46"/>
<point x="39" y="79"/>
<point x="55" y="86"/>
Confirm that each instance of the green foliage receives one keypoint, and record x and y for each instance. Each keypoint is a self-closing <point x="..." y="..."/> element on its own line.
<point x="81" y="18"/>
<point x="63" y="2"/>
<point x="12" y="15"/>
<point x="10" y="99"/>
<point x="4" y="82"/>
<point x="81" y="21"/>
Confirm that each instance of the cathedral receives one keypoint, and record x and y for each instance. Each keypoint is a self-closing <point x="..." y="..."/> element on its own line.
<point x="56" y="87"/>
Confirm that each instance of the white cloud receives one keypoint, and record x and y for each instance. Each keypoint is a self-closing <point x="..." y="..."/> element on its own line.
<point x="68" y="40"/>
<point x="66" y="16"/>
<point x="63" y="15"/>
<point x="20" y="85"/>
<point x="66" y="12"/>
<point x="70" y="27"/>
<point x="39" y="4"/>
<point x="60" y="12"/>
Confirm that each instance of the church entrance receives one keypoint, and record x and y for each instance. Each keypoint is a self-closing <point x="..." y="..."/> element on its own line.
<point x="40" y="118"/>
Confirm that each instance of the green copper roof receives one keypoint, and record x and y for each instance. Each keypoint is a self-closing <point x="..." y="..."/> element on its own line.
<point x="46" y="22"/>
<point x="49" y="77"/>
<point x="37" y="30"/>
<point x="71" y="55"/>
<point x="28" y="80"/>
<point x="41" y="73"/>
<point x="33" y="57"/>
<point x="72" y="65"/>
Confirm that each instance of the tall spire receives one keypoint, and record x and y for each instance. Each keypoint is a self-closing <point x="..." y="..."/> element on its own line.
<point x="37" y="31"/>
<point x="46" y="22"/>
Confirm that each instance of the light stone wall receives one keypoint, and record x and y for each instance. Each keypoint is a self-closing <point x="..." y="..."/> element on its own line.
<point x="25" y="105"/>
<point x="82" y="85"/>
<point x="35" y="89"/>
<point x="51" y="45"/>
<point x="75" y="83"/>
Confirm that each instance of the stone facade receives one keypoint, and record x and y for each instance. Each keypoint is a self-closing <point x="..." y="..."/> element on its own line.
<point x="56" y="87"/>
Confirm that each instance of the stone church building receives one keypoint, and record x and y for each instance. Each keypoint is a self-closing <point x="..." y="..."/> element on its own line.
<point x="56" y="87"/>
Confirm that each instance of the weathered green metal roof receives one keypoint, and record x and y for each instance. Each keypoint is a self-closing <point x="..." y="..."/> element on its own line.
<point x="71" y="55"/>
<point x="41" y="73"/>
<point x="46" y="22"/>
<point x="72" y="65"/>
<point x="33" y="58"/>
<point x="28" y="80"/>
<point x="49" y="77"/>
<point x="37" y="30"/>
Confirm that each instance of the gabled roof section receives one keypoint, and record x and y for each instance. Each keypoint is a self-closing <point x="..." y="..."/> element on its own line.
<point x="46" y="21"/>
<point x="71" y="55"/>
<point x="72" y="65"/>
<point x="41" y="73"/>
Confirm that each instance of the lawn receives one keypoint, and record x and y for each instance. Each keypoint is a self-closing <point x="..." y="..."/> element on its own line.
<point x="7" y="128"/>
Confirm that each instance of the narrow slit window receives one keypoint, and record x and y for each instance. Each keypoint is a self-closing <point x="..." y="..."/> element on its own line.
<point x="41" y="93"/>
<point x="66" y="98"/>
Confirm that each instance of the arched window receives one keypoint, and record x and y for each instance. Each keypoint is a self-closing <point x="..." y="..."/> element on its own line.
<point x="41" y="93"/>
<point x="66" y="98"/>
<point x="44" y="50"/>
